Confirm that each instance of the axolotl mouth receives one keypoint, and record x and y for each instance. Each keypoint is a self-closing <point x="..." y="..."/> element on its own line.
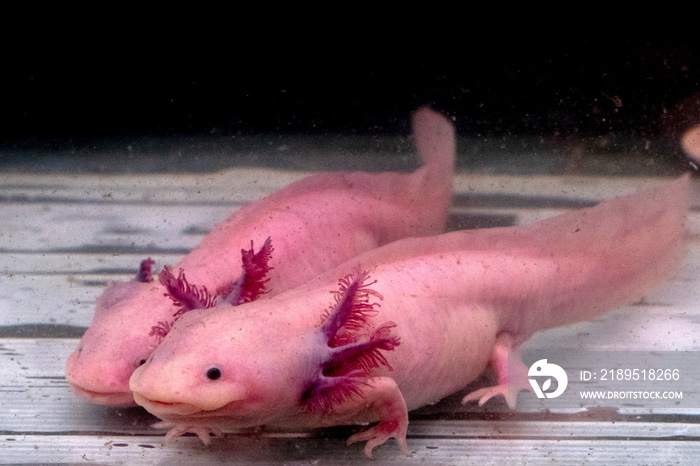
<point x="168" y="409"/>
<point x="116" y="399"/>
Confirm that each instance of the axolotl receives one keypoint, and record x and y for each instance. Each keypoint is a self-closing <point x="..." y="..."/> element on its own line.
<point x="408" y="323"/>
<point x="314" y="225"/>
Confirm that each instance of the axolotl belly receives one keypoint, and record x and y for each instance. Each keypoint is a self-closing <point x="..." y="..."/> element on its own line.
<point x="409" y="323"/>
<point x="314" y="225"/>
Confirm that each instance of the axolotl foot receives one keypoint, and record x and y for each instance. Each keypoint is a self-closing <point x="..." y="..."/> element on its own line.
<point x="380" y="433"/>
<point x="203" y="432"/>
<point x="509" y="392"/>
<point x="382" y="396"/>
<point x="511" y="379"/>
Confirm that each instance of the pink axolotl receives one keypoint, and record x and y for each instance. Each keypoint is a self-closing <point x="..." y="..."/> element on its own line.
<point x="314" y="224"/>
<point x="408" y="323"/>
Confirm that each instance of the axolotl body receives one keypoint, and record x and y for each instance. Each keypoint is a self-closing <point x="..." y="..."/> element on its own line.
<point x="408" y="323"/>
<point x="314" y="225"/>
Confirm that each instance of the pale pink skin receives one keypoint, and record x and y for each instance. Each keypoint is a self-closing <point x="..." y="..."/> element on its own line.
<point x="690" y="142"/>
<point x="460" y="300"/>
<point x="315" y="224"/>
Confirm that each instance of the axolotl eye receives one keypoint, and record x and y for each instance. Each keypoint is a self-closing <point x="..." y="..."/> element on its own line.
<point x="214" y="373"/>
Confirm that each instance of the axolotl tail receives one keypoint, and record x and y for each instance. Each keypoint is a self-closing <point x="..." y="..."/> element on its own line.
<point x="434" y="137"/>
<point x="608" y="255"/>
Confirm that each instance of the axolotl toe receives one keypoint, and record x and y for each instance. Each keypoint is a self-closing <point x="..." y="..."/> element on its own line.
<point x="409" y="323"/>
<point x="315" y="224"/>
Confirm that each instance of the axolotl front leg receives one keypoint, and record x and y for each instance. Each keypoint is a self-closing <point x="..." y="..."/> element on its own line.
<point x="377" y="398"/>
<point x="343" y="390"/>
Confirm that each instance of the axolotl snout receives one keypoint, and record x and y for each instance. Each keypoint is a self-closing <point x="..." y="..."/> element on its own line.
<point x="314" y="225"/>
<point x="409" y="323"/>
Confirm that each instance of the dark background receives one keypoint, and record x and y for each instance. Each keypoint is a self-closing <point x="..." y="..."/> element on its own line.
<point x="59" y="95"/>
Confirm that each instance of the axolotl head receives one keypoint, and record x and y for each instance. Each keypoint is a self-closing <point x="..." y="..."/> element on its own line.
<point x="117" y="342"/>
<point x="221" y="363"/>
<point x="269" y="362"/>
<point x="131" y="318"/>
